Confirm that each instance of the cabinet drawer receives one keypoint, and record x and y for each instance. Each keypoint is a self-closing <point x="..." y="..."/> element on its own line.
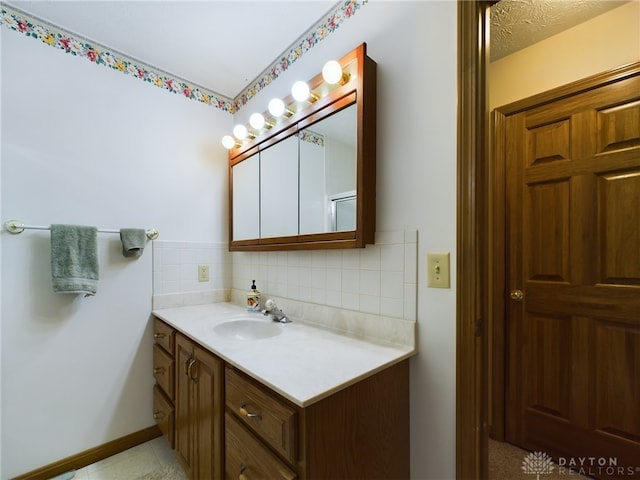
<point x="163" y="370"/>
<point x="163" y="414"/>
<point x="163" y="335"/>
<point x="271" y="419"/>
<point x="246" y="458"/>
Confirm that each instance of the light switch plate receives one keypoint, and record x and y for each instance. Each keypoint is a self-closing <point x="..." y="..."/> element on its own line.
<point x="438" y="270"/>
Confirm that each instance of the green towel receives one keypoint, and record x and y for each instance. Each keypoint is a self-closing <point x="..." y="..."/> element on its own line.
<point x="74" y="259"/>
<point x="133" y="241"/>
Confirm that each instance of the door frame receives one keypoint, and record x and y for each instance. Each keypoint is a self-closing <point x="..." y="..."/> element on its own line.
<point x="472" y="286"/>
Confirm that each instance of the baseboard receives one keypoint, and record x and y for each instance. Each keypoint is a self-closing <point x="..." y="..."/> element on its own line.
<point x="92" y="455"/>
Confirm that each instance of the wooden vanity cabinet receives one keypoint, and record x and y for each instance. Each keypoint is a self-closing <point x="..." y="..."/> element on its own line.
<point x="199" y="410"/>
<point x="163" y="372"/>
<point x="229" y="425"/>
<point x="360" y="432"/>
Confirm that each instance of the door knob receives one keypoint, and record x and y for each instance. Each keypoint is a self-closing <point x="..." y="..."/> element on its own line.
<point x="517" y="295"/>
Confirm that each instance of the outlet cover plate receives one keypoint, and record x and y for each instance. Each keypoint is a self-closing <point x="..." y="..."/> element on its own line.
<point x="203" y="273"/>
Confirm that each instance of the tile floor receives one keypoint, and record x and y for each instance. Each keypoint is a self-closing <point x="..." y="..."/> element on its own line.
<point x="130" y="464"/>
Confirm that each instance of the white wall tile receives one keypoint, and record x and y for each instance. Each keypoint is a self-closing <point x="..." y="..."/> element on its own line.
<point x="392" y="257"/>
<point x="370" y="258"/>
<point x="351" y="258"/>
<point x="370" y="282"/>
<point x="391" y="307"/>
<point x="350" y="280"/>
<point x="365" y="285"/>
<point x="392" y="285"/>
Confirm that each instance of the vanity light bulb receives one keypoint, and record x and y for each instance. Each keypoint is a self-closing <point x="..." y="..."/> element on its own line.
<point x="240" y="132"/>
<point x="256" y="120"/>
<point x="300" y="91"/>
<point x="276" y="107"/>
<point x="228" y="142"/>
<point x="332" y="72"/>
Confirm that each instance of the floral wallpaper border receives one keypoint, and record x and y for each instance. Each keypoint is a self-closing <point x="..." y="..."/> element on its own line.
<point x="306" y="42"/>
<point x="311" y="137"/>
<point x="21" y="22"/>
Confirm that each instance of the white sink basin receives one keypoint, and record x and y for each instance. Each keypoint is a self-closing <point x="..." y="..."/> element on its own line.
<point x="248" y="329"/>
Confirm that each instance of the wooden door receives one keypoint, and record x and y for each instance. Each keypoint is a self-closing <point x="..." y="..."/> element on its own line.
<point x="208" y="382"/>
<point x="573" y="240"/>
<point x="184" y="404"/>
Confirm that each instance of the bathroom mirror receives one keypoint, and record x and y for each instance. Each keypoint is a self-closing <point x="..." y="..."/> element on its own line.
<point x="308" y="181"/>
<point x="246" y="204"/>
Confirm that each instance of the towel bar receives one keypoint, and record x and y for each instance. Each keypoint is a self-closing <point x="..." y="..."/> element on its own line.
<point x="16" y="227"/>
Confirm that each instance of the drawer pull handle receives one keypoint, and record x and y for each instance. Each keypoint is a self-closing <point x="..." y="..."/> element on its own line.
<point x="159" y="416"/>
<point x="241" y="475"/>
<point x="158" y="370"/>
<point x="245" y="413"/>
<point x="190" y="365"/>
<point x="159" y="335"/>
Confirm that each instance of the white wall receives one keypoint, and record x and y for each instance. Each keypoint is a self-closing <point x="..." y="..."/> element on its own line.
<point x="414" y="44"/>
<point x="1" y="36"/>
<point x="88" y="145"/>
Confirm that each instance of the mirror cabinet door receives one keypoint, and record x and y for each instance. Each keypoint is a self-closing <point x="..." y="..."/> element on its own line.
<point x="328" y="159"/>
<point x="246" y="199"/>
<point x="312" y="182"/>
<point x="279" y="189"/>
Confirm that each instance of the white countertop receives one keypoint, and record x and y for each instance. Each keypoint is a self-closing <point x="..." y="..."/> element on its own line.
<point x="303" y="363"/>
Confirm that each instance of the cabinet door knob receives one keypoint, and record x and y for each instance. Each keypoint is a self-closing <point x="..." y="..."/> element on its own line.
<point x="241" y="475"/>
<point x="159" y="416"/>
<point x="245" y="413"/>
<point x="158" y="370"/>
<point x="159" y="335"/>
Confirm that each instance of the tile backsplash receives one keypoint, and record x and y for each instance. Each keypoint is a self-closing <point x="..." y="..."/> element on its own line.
<point x="175" y="273"/>
<point x="368" y="292"/>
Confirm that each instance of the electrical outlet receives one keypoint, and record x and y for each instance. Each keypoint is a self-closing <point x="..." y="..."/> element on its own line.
<point x="203" y="273"/>
<point x="438" y="270"/>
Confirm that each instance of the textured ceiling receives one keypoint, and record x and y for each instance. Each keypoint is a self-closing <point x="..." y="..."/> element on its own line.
<point x="517" y="24"/>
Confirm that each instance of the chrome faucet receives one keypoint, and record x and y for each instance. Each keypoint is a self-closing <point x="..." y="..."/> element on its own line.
<point x="272" y="310"/>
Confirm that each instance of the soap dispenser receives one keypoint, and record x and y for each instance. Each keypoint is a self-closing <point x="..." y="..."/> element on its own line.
<point x="253" y="298"/>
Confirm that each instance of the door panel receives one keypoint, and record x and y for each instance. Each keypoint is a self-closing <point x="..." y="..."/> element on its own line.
<point x="616" y="391"/>
<point x="547" y="214"/>
<point x="573" y="236"/>
<point x="620" y="214"/>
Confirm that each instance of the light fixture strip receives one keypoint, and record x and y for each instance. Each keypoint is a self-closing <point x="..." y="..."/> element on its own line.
<point x="318" y="89"/>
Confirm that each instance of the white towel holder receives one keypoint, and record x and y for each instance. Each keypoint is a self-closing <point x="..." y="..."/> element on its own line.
<point x="16" y="227"/>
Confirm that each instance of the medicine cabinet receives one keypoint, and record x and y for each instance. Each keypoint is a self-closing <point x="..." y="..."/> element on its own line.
<point x="307" y="180"/>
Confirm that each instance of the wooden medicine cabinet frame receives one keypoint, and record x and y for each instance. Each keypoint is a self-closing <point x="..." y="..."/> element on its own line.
<point x="358" y="89"/>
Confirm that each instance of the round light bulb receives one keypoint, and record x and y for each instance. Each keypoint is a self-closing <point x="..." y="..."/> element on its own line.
<point x="276" y="107"/>
<point x="228" y="142"/>
<point x="240" y="132"/>
<point x="256" y="120"/>
<point x="300" y="91"/>
<point x="332" y="72"/>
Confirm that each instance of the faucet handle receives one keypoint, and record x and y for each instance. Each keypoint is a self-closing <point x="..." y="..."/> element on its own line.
<point x="270" y="305"/>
